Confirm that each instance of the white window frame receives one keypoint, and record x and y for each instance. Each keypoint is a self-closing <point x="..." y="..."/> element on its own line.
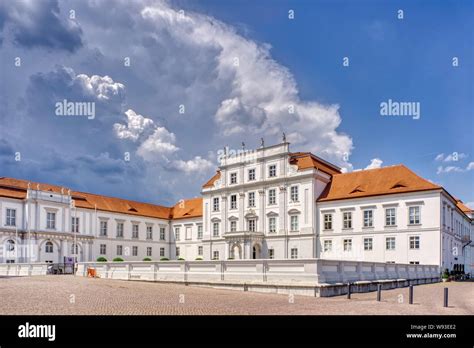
<point x="119" y="250"/>
<point x="75" y="224"/>
<point x="49" y="247"/>
<point x="162" y="252"/>
<point x="233" y="201"/>
<point x="135" y="231"/>
<point x="272" y="223"/>
<point x="251" y="174"/>
<point x="102" y="249"/>
<point x="390" y="219"/>
<point x="390" y="243"/>
<point x="215" y="204"/>
<point x="215" y="229"/>
<point x="120" y="229"/>
<point x="327" y="246"/>
<point x="50" y="220"/>
<point x="252" y="225"/>
<point x="347" y="219"/>
<point x="177" y="233"/>
<point x="215" y="255"/>
<point x="272" y="171"/>
<point x="272" y="197"/>
<point x="251" y="199"/>
<point x="10" y="217"/>
<point x="294" y="253"/>
<point x="134" y="250"/>
<point x="271" y="253"/>
<point x="327" y="220"/>
<point x="368" y="218"/>
<point x="414" y="215"/>
<point x="294" y="193"/>
<point x="368" y="244"/>
<point x="200" y="250"/>
<point x="233" y="226"/>
<point x="347" y="244"/>
<point x="200" y="232"/>
<point x="294" y="223"/>
<point x="103" y="228"/>
<point x="162" y="233"/>
<point x="414" y="242"/>
<point x="149" y="251"/>
<point x="149" y="232"/>
<point x="233" y="178"/>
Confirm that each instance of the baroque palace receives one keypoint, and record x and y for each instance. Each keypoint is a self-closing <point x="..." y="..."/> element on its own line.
<point x="265" y="203"/>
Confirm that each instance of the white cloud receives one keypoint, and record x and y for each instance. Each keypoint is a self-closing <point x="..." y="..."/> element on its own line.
<point x="102" y="87"/>
<point x="470" y="204"/>
<point x="136" y="126"/>
<point x="261" y="95"/>
<point x="375" y="163"/>
<point x="195" y="165"/>
<point x="455" y="169"/>
<point x="470" y="166"/>
<point x="160" y="143"/>
<point x="452" y="157"/>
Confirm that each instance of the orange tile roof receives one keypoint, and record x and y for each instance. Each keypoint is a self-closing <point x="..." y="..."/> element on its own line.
<point x="188" y="208"/>
<point x="306" y="160"/>
<point x="16" y="188"/>
<point x="463" y="207"/>
<point x="212" y="180"/>
<point x="374" y="182"/>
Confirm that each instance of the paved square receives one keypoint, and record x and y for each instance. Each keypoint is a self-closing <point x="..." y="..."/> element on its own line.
<point x="79" y="295"/>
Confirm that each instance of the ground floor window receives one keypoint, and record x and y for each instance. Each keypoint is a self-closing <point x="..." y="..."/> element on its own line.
<point x="49" y="247"/>
<point x="134" y="250"/>
<point x="102" y="249"/>
<point x="271" y="253"/>
<point x="368" y="244"/>
<point x="119" y="250"/>
<point x="148" y="251"/>
<point x="177" y="251"/>
<point x="162" y="252"/>
<point x="215" y="255"/>
<point x="414" y="242"/>
<point x="414" y="262"/>
<point x="390" y="243"/>
<point x="294" y="253"/>
<point x="347" y="244"/>
<point x="327" y="246"/>
<point x="200" y="250"/>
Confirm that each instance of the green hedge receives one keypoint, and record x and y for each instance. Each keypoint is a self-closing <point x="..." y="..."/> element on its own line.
<point x="118" y="259"/>
<point x="146" y="259"/>
<point x="164" y="259"/>
<point x="180" y="259"/>
<point x="101" y="259"/>
<point x="198" y="258"/>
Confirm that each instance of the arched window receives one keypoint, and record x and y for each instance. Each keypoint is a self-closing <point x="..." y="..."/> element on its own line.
<point x="49" y="247"/>
<point x="74" y="249"/>
<point x="10" y="245"/>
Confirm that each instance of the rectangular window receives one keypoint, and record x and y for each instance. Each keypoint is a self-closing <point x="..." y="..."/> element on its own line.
<point x="327" y="246"/>
<point x="135" y="231"/>
<point x="215" y="204"/>
<point x="75" y="224"/>
<point x="177" y="251"/>
<point x="51" y="221"/>
<point x="414" y="262"/>
<point x="271" y="196"/>
<point x="328" y="221"/>
<point x="103" y="228"/>
<point x="215" y="255"/>
<point x="368" y="218"/>
<point x="176" y="233"/>
<point x="368" y="244"/>
<point x="233" y="178"/>
<point x="251" y="225"/>
<point x="294" y="193"/>
<point x="347" y="219"/>
<point x="272" y="224"/>
<point x="119" y="250"/>
<point x="215" y="229"/>
<point x="189" y="232"/>
<point x="251" y="199"/>
<point x="200" y="250"/>
<point x="162" y="252"/>
<point x="272" y="171"/>
<point x="148" y="251"/>
<point x="390" y="243"/>
<point x="294" y="223"/>
<point x="120" y="230"/>
<point x="390" y="219"/>
<point x="414" y="213"/>
<point x="347" y="244"/>
<point x="251" y="174"/>
<point x="294" y="253"/>
<point x="149" y="232"/>
<point x="11" y="217"/>
<point x="102" y="249"/>
<point x="271" y="253"/>
<point x="199" y="231"/>
<point x="233" y="226"/>
<point x="134" y="251"/>
<point x="233" y="202"/>
<point x="162" y="233"/>
<point x="415" y="242"/>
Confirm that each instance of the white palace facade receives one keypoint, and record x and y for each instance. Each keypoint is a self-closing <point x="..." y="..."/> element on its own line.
<point x="264" y="203"/>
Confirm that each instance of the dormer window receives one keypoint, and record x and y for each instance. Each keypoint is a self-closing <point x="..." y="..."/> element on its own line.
<point x="233" y="178"/>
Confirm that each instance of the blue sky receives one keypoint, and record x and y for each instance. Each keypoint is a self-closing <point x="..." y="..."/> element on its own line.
<point x="189" y="61"/>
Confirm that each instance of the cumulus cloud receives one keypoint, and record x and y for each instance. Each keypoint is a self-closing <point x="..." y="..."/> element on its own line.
<point x="135" y="127"/>
<point x="262" y="95"/>
<point x="375" y="163"/>
<point x="455" y="169"/>
<point x="195" y="165"/>
<point x="158" y="144"/>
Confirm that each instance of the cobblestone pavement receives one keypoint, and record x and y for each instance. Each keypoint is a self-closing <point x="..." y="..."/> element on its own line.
<point x="78" y="295"/>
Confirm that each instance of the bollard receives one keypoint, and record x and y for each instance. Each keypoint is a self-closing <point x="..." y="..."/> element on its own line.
<point x="445" y="297"/>
<point x="348" y="291"/>
<point x="410" y="300"/>
<point x="379" y="292"/>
